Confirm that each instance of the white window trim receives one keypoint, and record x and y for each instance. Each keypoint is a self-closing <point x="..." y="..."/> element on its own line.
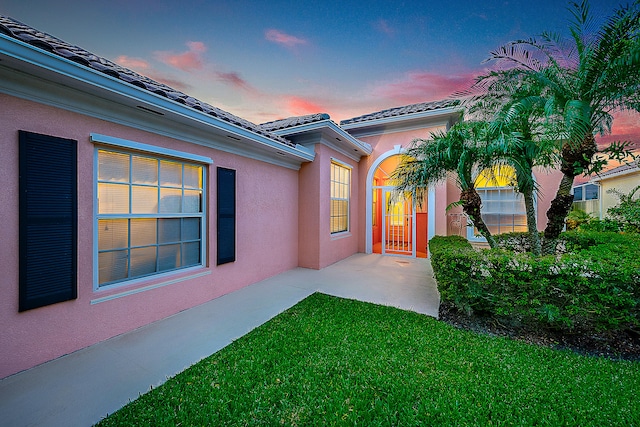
<point x="127" y="147"/>
<point x="344" y="233"/>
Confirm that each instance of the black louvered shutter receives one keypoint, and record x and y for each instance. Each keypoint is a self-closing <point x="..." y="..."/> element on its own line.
<point x="48" y="220"/>
<point x="226" y="217"/>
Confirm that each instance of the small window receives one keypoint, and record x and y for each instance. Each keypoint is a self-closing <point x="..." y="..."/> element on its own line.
<point x="150" y="215"/>
<point x="340" y="195"/>
<point x="584" y="192"/>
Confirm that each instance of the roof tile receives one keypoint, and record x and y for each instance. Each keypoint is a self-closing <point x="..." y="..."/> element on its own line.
<point x="294" y="121"/>
<point x="400" y="111"/>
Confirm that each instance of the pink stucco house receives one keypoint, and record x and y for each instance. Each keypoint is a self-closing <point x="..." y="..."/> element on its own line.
<point x="124" y="201"/>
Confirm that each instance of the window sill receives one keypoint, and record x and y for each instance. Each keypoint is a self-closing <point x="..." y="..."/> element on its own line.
<point x="341" y="235"/>
<point x="175" y="278"/>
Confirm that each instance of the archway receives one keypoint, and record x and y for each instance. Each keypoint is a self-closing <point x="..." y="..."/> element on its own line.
<point x="394" y="225"/>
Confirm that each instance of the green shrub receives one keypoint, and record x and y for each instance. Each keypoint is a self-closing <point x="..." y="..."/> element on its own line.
<point x="577" y="218"/>
<point x="593" y="287"/>
<point x="601" y="225"/>
<point x="627" y="212"/>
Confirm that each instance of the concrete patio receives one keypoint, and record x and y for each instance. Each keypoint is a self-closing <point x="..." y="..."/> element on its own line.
<point x="81" y="388"/>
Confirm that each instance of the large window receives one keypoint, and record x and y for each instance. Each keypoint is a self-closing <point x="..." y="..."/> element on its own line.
<point x="150" y="215"/>
<point x="340" y="193"/>
<point x="503" y="209"/>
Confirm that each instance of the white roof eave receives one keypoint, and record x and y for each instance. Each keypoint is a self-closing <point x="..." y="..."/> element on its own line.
<point x="42" y="59"/>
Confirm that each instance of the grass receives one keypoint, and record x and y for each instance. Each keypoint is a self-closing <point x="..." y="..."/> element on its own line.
<point x="331" y="361"/>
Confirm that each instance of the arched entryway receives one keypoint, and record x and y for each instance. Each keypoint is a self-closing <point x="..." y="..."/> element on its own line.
<point x="394" y="225"/>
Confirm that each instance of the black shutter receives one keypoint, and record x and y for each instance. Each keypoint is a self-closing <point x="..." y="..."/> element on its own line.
<point x="226" y="218"/>
<point x="48" y="220"/>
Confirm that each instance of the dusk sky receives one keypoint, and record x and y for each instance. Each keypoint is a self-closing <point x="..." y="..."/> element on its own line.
<point x="265" y="60"/>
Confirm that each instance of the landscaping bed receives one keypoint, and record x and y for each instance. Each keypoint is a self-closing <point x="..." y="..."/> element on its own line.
<point x="586" y="297"/>
<point x="623" y="345"/>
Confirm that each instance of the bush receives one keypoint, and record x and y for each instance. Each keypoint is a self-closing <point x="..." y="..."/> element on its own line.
<point x="606" y="225"/>
<point x="577" y="218"/>
<point x="627" y="212"/>
<point x="593" y="287"/>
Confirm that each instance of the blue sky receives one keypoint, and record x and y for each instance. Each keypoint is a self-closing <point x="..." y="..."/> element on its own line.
<point x="265" y="60"/>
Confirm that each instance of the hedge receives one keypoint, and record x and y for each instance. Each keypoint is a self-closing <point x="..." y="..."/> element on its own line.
<point x="593" y="286"/>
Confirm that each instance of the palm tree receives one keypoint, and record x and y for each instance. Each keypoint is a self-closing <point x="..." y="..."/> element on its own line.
<point x="518" y="139"/>
<point x="461" y="150"/>
<point x="582" y="80"/>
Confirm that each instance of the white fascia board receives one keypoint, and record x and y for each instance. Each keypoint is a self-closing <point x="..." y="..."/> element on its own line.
<point x="616" y="174"/>
<point x="401" y="118"/>
<point x="26" y="53"/>
<point x="364" y="147"/>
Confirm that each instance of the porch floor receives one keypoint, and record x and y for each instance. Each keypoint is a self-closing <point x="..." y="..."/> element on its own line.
<point x="81" y="388"/>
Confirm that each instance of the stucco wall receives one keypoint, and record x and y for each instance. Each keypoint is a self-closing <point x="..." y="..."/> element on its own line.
<point x="623" y="184"/>
<point x="267" y="241"/>
<point x="318" y="247"/>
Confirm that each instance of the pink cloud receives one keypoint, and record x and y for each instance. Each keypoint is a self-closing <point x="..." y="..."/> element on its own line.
<point x="383" y="26"/>
<point x="185" y="61"/>
<point x="234" y="79"/>
<point x="298" y="106"/>
<point x="421" y="86"/>
<point x="287" y="40"/>
<point x="133" y="63"/>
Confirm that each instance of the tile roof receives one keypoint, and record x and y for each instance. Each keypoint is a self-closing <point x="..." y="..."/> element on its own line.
<point x="627" y="167"/>
<point x="294" y="121"/>
<point x="24" y="33"/>
<point x="400" y="111"/>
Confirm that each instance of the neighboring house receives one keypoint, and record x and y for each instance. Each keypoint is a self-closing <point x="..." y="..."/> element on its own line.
<point x="125" y="201"/>
<point x="586" y="197"/>
<point x="623" y="179"/>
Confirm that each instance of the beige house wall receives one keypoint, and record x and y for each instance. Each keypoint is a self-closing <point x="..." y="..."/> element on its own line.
<point x="623" y="184"/>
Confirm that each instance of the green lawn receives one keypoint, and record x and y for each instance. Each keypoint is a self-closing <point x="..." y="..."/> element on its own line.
<point x="331" y="361"/>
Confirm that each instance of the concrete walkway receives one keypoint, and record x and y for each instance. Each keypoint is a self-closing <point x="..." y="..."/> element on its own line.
<point x="81" y="388"/>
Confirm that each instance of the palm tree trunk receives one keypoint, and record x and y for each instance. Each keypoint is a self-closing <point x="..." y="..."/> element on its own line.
<point x="557" y="214"/>
<point x="471" y="205"/>
<point x="572" y="156"/>
<point x="532" y="223"/>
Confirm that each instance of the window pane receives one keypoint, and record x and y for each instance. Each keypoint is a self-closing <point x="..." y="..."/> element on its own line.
<point x="113" y="198"/>
<point x="113" y="167"/>
<point x="191" y="229"/>
<point x="168" y="257"/>
<point x="144" y="199"/>
<point x="170" y="173"/>
<point x="190" y="254"/>
<point x="143" y="232"/>
<point x="192" y="201"/>
<point x="192" y="176"/>
<point x="144" y="170"/>
<point x="143" y="261"/>
<point x="170" y="200"/>
<point x="113" y="234"/>
<point x="112" y="266"/>
<point x="590" y="192"/>
<point x="168" y="230"/>
<point x="577" y="193"/>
